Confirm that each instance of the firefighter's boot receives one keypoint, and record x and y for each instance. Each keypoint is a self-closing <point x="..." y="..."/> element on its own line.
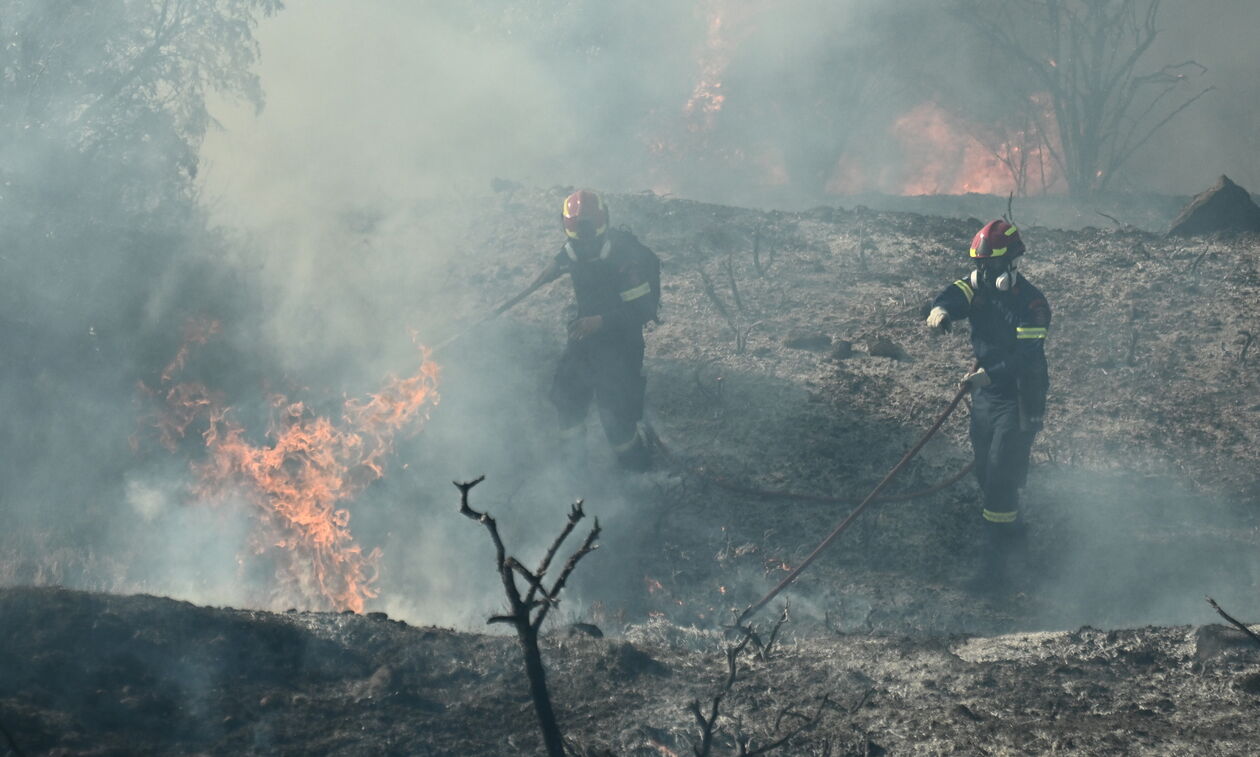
<point x="1002" y="561"/>
<point x="635" y="454"/>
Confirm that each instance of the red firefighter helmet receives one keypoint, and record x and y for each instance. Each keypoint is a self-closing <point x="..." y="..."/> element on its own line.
<point x="585" y="215"/>
<point x="997" y="239"/>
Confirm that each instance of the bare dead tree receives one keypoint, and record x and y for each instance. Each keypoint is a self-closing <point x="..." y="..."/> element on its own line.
<point x="1086" y="56"/>
<point x="528" y="609"/>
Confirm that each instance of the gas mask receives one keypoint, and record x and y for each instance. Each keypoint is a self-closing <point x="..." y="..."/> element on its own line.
<point x="996" y="274"/>
<point x="586" y="250"/>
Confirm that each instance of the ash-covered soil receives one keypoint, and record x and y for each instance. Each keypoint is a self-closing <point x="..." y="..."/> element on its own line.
<point x="1143" y="495"/>
<point x="91" y="674"/>
<point x="791" y="357"/>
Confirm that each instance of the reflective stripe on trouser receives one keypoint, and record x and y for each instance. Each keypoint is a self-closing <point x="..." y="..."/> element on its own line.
<point x="610" y="372"/>
<point x="1001" y="453"/>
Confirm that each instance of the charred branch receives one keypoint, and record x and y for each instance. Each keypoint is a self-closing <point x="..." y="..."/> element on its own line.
<point x="1234" y="621"/>
<point x="784" y="617"/>
<point x="756" y="253"/>
<point x="741" y="334"/>
<point x="527" y="613"/>
<point x="729" y="266"/>
<point x="708" y="723"/>
<point x="808" y="722"/>
<point x="1194" y="266"/>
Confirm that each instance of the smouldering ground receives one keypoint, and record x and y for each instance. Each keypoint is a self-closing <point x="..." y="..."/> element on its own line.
<point x="1142" y="499"/>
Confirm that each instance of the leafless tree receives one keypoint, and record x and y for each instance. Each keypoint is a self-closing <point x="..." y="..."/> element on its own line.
<point x="528" y="608"/>
<point x="1080" y="61"/>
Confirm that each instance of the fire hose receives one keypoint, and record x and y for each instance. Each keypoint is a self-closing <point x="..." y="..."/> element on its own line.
<point x="844" y="524"/>
<point x="751" y="491"/>
<point x="549" y="275"/>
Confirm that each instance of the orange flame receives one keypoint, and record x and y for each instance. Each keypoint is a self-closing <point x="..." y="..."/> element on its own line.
<point x="941" y="155"/>
<point x="301" y="477"/>
<point x="196" y="332"/>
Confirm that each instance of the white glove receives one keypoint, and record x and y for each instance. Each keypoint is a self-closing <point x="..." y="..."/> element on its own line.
<point x="977" y="379"/>
<point x="938" y="319"/>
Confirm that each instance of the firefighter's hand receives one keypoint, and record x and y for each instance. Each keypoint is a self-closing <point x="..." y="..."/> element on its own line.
<point x="977" y="379"/>
<point x="584" y="327"/>
<point x="938" y="320"/>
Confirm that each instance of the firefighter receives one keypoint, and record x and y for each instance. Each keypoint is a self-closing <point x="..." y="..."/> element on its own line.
<point x="1009" y="318"/>
<point x="616" y="282"/>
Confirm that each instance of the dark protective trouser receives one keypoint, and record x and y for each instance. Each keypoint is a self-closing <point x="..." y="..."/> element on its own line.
<point x="609" y="370"/>
<point x="1001" y="448"/>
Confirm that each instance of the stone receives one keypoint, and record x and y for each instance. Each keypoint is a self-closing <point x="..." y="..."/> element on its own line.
<point x="1224" y="207"/>
<point x="884" y="347"/>
<point x="803" y="339"/>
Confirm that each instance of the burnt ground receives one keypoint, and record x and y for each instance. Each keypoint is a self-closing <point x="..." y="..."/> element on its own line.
<point x="108" y="675"/>
<point x="1142" y="499"/>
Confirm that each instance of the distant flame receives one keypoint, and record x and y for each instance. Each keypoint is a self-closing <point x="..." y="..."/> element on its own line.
<point x="706" y="97"/>
<point x="941" y="155"/>
<point x="297" y="480"/>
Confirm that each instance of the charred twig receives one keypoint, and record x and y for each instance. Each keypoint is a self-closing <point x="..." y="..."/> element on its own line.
<point x="1194" y="267"/>
<point x="729" y="265"/>
<point x="1248" y="338"/>
<point x="527" y="613"/>
<point x="1113" y="219"/>
<point x="741" y="336"/>
<point x="707" y="724"/>
<point x="712" y="294"/>
<point x="1233" y="621"/>
<point x="866" y="695"/>
<point x="1010" y="200"/>
<point x="764" y="652"/>
<point x="808" y="722"/>
<point x="741" y="339"/>
<point x="756" y="252"/>
<point x="713" y="395"/>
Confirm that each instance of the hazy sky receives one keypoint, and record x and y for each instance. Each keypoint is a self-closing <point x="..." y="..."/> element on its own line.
<point x="375" y="102"/>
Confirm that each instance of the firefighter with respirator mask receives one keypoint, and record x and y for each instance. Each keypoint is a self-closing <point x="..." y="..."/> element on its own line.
<point x="617" y="285"/>
<point x="1009" y="318"/>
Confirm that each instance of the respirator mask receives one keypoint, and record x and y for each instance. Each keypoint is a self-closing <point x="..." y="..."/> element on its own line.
<point x="995" y="273"/>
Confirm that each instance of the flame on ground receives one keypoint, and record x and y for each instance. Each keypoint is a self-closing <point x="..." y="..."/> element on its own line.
<point x="301" y="477"/>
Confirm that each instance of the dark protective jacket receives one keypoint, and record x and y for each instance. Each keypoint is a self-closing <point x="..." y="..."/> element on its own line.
<point x="622" y="284"/>
<point x="1008" y="333"/>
